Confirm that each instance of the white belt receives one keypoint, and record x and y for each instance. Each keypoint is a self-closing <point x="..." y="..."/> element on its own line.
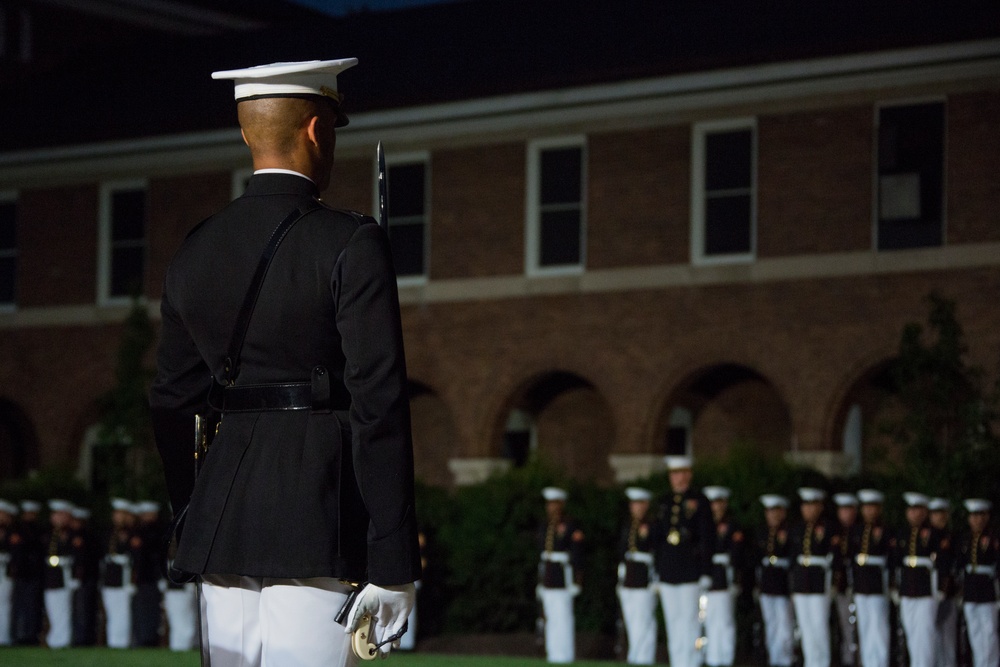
<point x="864" y="560"/>
<point x="774" y="561"/>
<point x="989" y="570"/>
<point x="814" y="561"/>
<point x="4" y="558"/>
<point x="639" y="557"/>
<point x="60" y="561"/>
<point x="720" y="559"/>
<point x="555" y="556"/>
<point x="118" y="559"/>
<point x="918" y="561"/>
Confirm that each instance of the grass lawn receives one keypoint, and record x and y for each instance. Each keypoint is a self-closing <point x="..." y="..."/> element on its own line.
<point x="103" y="657"/>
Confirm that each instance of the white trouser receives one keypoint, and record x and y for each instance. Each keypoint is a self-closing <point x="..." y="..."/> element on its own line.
<point x="812" y="612"/>
<point x="409" y="639"/>
<point x="560" y="626"/>
<point x="59" y="610"/>
<point x="680" y="615"/>
<point x="776" y="610"/>
<point x="846" y="647"/>
<point x="264" y="622"/>
<point x="917" y="616"/>
<point x="946" y="652"/>
<point x="981" y="622"/>
<point x="873" y="629"/>
<point x="181" y="605"/>
<point x="6" y="586"/>
<point x="118" y="612"/>
<point x="720" y="629"/>
<point x="639" y="617"/>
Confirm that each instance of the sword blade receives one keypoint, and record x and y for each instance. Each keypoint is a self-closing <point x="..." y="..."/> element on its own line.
<point x="383" y="190"/>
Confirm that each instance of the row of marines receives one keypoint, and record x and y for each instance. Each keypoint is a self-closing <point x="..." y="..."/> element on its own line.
<point x="690" y="556"/>
<point x="57" y="578"/>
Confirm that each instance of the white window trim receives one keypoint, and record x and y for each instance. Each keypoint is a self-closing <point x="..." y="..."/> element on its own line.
<point x="104" y="299"/>
<point x="399" y="159"/>
<point x="532" y="215"/>
<point x="876" y="128"/>
<point x="236" y="188"/>
<point x="7" y="196"/>
<point x="698" y="132"/>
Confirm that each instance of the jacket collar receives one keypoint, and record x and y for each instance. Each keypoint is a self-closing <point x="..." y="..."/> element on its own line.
<point x="280" y="184"/>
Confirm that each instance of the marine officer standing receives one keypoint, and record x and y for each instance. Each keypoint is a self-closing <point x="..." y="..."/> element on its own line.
<point x="27" y="569"/>
<point x="772" y="554"/>
<point x="59" y="580"/>
<point x="870" y="546"/>
<point x="843" y="585"/>
<point x="727" y="570"/>
<point x="683" y="554"/>
<point x="946" y="623"/>
<point x="560" y="573"/>
<point x="117" y="584"/>
<point x="814" y="542"/>
<point x="8" y="511"/>
<point x="978" y="558"/>
<point x="637" y="579"/>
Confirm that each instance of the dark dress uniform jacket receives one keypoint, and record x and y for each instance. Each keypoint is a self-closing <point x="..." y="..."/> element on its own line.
<point x="923" y="543"/>
<point x="637" y="536"/>
<point x="816" y="543"/>
<point x="870" y="551"/>
<point x="687" y="556"/>
<point x="773" y="554"/>
<point x="730" y="543"/>
<point x="978" y="559"/>
<point x="291" y="493"/>
<point x="562" y="536"/>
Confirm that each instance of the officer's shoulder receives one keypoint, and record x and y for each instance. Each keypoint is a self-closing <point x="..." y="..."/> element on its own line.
<point x="343" y="215"/>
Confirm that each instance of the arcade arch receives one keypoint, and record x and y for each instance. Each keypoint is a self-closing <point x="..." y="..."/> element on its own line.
<point x="18" y="442"/>
<point x="860" y="417"/>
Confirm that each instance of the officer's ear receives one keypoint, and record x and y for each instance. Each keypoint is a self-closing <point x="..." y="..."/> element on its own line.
<point x="312" y="130"/>
<point x="244" y="135"/>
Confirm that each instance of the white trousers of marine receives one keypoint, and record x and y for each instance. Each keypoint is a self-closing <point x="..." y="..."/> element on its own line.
<point x="181" y="606"/>
<point x="639" y="617"/>
<point x="6" y="587"/>
<point x="118" y="613"/>
<point x="847" y="638"/>
<point x="560" y="625"/>
<point x="680" y="615"/>
<point x="917" y="615"/>
<point x="873" y="629"/>
<point x="812" y="613"/>
<point x="264" y="622"/>
<point x="720" y="629"/>
<point x="981" y="622"/>
<point x="779" y="620"/>
<point x="946" y="654"/>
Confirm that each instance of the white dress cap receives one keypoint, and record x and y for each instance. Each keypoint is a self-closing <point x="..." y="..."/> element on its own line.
<point x="122" y="505"/>
<point x="716" y="492"/>
<point x="308" y="77"/>
<point x="845" y="500"/>
<point x="913" y="499"/>
<point x="938" y="505"/>
<point x="31" y="506"/>
<point x="8" y="507"/>
<point x="147" y="507"/>
<point x="809" y="494"/>
<point x="678" y="462"/>
<point x="80" y="513"/>
<point x="871" y="497"/>
<point x="60" y="505"/>
<point x="553" y="493"/>
<point x="635" y="493"/>
<point x="772" y="500"/>
<point x="974" y="505"/>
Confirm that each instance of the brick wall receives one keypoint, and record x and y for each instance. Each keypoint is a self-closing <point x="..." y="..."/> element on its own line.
<point x="972" y="167"/>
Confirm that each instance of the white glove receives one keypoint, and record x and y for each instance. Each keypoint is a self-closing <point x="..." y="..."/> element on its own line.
<point x="389" y="606"/>
<point x="704" y="583"/>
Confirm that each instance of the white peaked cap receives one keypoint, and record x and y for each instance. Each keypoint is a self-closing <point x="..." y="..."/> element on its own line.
<point x="716" y="492"/>
<point x="636" y="493"/>
<point x="678" y="462"/>
<point x="8" y="507"/>
<point x="553" y="493"/>
<point x="938" y="505"/>
<point x="122" y="505"/>
<point x="147" y="506"/>
<point x="974" y="505"/>
<point x="871" y="497"/>
<point x="809" y="494"/>
<point x="772" y="500"/>
<point x="60" y="505"/>
<point x="845" y="499"/>
<point x="80" y="513"/>
<point x="913" y="499"/>
<point x="31" y="506"/>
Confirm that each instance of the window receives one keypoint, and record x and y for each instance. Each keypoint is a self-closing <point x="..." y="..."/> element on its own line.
<point x="724" y="191"/>
<point x="122" y="261"/>
<point x="8" y="251"/>
<point x="910" y="179"/>
<point x="556" y="215"/>
<point x="408" y="188"/>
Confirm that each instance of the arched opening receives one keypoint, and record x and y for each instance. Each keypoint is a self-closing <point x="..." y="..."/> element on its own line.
<point x="720" y="406"/>
<point x="561" y="419"/>
<point x="434" y="435"/>
<point x="18" y="442"/>
<point x="860" y="424"/>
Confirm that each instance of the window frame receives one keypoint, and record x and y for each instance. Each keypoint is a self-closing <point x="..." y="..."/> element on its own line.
<point x="107" y="190"/>
<point x="876" y="198"/>
<point x="533" y="217"/>
<point x="699" y="133"/>
<point x="7" y="197"/>
<point x="400" y="160"/>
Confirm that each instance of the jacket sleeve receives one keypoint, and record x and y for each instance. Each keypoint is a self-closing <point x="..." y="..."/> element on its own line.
<point x="368" y="320"/>
<point x="179" y="392"/>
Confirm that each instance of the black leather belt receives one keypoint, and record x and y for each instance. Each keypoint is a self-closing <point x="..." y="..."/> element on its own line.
<point x="313" y="395"/>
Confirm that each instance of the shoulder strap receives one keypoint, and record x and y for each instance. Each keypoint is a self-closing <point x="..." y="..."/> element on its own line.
<point x="231" y="367"/>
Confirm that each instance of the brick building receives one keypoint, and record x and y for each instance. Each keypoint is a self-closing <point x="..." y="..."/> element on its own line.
<point x="620" y="232"/>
